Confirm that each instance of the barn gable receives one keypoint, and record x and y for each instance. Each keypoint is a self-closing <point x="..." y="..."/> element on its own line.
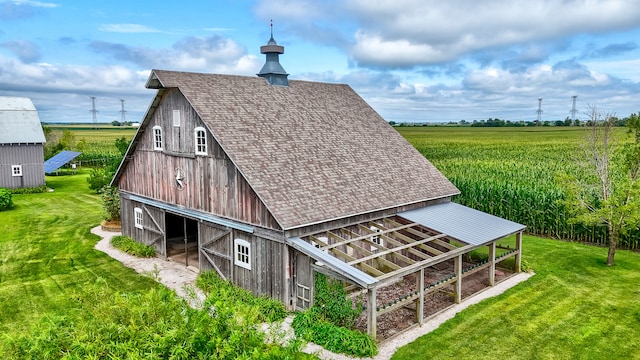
<point x="210" y="182"/>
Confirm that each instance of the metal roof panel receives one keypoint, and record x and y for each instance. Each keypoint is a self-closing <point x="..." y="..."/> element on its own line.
<point x="463" y="223"/>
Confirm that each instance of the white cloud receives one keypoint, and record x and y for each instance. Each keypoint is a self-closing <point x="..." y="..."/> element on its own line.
<point x="431" y="32"/>
<point x="35" y="3"/>
<point x="128" y="28"/>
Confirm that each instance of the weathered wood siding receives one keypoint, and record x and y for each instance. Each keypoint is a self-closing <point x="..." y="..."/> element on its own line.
<point x="30" y="156"/>
<point x="213" y="183"/>
<point x="268" y="267"/>
<point x="153" y="222"/>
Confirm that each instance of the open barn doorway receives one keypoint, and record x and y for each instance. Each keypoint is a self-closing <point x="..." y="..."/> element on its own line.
<point x="182" y="240"/>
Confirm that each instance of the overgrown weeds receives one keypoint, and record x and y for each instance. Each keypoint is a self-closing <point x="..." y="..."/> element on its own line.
<point x="328" y="321"/>
<point x="152" y="325"/>
<point x="132" y="247"/>
<point x="254" y="309"/>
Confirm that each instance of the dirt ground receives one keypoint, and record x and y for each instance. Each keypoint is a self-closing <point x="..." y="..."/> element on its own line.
<point x="395" y="321"/>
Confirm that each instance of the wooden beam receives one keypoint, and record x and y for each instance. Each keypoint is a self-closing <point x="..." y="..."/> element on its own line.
<point x="371" y="313"/>
<point x="364" y="237"/>
<point x="492" y="263"/>
<point x="424" y="263"/>
<point x="367" y="253"/>
<point x="518" y="265"/>
<point x="421" y="246"/>
<point x="457" y="268"/>
<point x="393" y="250"/>
<point x="340" y="254"/>
<point x="420" y="304"/>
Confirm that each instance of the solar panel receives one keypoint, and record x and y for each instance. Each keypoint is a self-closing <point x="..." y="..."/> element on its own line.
<point x="58" y="160"/>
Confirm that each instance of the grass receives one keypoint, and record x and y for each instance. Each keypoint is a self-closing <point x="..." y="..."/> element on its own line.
<point x="575" y="307"/>
<point x="47" y="253"/>
<point x="61" y="298"/>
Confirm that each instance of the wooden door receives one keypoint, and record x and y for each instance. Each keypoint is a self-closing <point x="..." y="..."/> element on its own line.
<point x="216" y="250"/>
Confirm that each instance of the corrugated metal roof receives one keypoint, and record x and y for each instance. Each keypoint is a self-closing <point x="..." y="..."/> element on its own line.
<point x="463" y="223"/>
<point x="58" y="160"/>
<point x="311" y="151"/>
<point x="337" y="265"/>
<point x="192" y="214"/>
<point x="19" y="121"/>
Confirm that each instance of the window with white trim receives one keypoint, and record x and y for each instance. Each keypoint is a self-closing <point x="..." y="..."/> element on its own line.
<point x="137" y="216"/>
<point x="375" y="238"/>
<point x="16" y="170"/>
<point x="157" y="138"/>
<point x="176" y="118"/>
<point x="200" y="136"/>
<point x="242" y="253"/>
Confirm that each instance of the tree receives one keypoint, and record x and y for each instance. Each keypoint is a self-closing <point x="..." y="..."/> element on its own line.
<point x="608" y="192"/>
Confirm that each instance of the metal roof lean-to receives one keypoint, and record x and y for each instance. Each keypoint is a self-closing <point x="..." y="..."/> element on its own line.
<point x="463" y="223"/>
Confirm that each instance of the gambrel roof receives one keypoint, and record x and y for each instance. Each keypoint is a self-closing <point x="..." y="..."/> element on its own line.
<point x="312" y="152"/>
<point x="19" y="121"/>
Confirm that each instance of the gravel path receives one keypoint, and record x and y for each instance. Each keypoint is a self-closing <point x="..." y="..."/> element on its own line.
<point x="181" y="279"/>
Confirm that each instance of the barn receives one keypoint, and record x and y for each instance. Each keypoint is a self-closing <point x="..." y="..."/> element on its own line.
<point x="268" y="181"/>
<point x="21" y="144"/>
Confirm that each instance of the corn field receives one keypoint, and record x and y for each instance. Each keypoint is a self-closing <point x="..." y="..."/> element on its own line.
<point x="511" y="173"/>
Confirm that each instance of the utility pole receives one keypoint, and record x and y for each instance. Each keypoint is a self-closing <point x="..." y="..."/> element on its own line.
<point x="573" y="108"/>
<point x="539" y="111"/>
<point x="123" y="117"/>
<point x="93" y="111"/>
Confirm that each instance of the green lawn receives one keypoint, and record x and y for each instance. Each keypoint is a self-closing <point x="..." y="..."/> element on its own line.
<point x="47" y="254"/>
<point x="573" y="308"/>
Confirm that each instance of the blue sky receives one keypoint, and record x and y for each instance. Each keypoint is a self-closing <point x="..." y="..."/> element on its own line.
<point x="411" y="60"/>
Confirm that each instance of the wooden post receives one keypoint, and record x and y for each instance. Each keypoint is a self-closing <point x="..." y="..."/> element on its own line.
<point x="420" y="303"/>
<point x="372" y="312"/>
<point x="492" y="262"/>
<point x="457" y="268"/>
<point x="519" y="252"/>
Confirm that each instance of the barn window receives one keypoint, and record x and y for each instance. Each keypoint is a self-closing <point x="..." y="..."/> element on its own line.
<point x="137" y="213"/>
<point x="176" y="118"/>
<point x="375" y="238"/>
<point x="157" y="138"/>
<point x="16" y="170"/>
<point x="201" y="141"/>
<point x="242" y="256"/>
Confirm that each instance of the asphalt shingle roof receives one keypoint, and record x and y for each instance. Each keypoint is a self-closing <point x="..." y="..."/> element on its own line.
<point x="312" y="151"/>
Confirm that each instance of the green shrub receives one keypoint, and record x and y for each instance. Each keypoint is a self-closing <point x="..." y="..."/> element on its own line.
<point x="31" y="190"/>
<point x="132" y="247"/>
<point x="6" y="201"/>
<point x="111" y="203"/>
<point x="254" y="309"/>
<point x="155" y="324"/>
<point x="326" y="322"/>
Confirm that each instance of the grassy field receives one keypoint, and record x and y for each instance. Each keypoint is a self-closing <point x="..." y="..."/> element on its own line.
<point x="575" y="307"/>
<point x="47" y="254"/>
<point x="511" y="172"/>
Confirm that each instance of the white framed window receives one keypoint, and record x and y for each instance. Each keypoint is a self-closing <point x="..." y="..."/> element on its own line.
<point x="16" y="170"/>
<point x="157" y="138"/>
<point x="242" y="253"/>
<point x="200" y="136"/>
<point x="376" y="238"/>
<point x="176" y="118"/>
<point x="137" y="216"/>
